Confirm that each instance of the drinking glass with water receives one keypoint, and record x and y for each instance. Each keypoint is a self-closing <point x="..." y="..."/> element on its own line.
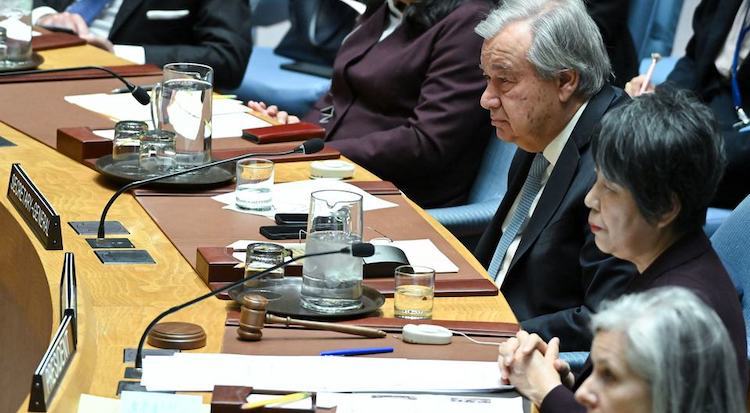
<point x="254" y="184"/>
<point x="332" y="283"/>
<point x="15" y="33"/>
<point x="182" y="104"/>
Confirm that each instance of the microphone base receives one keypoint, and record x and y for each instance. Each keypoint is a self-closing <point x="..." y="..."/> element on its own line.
<point x="109" y="243"/>
<point x="125" y="256"/>
<point x="92" y="227"/>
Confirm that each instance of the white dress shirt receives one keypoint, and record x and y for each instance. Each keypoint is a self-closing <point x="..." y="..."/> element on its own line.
<point x="551" y="153"/>
<point x="724" y="60"/>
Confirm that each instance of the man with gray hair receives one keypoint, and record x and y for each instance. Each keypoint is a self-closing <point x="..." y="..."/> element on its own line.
<point x="546" y="69"/>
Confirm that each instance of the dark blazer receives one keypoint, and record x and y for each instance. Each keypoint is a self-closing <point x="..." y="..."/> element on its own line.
<point x="696" y="70"/>
<point x="407" y="108"/>
<point x="691" y="263"/>
<point x="558" y="276"/>
<point x="609" y="16"/>
<point x="215" y="33"/>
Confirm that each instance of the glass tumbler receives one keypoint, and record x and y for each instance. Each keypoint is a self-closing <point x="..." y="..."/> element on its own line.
<point x="415" y="292"/>
<point x="126" y="143"/>
<point x="157" y="152"/>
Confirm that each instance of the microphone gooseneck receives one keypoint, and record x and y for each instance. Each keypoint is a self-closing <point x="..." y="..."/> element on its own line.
<point x="138" y="93"/>
<point x="357" y="247"/>
<point x="300" y="149"/>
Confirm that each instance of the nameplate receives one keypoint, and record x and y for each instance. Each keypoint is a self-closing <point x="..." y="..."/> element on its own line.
<point x="51" y="369"/>
<point x="34" y="208"/>
<point x="69" y="293"/>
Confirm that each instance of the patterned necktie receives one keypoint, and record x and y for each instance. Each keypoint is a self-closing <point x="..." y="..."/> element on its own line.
<point x="88" y="9"/>
<point x="529" y="191"/>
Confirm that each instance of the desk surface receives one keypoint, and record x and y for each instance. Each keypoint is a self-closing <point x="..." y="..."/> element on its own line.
<point x="115" y="302"/>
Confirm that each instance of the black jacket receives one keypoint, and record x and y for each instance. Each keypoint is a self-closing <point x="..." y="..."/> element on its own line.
<point x="215" y="33"/>
<point x="558" y="276"/>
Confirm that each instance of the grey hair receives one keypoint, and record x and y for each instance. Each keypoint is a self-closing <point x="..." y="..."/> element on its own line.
<point x="565" y="37"/>
<point x="680" y="347"/>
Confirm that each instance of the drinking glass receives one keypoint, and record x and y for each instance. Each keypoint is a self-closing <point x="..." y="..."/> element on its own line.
<point x="254" y="183"/>
<point x="157" y="152"/>
<point x="15" y="39"/>
<point x="332" y="283"/>
<point x="415" y="292"/>
<point x="262" y="256"/>
<point x="182" y="103"/>
<point x="126" y="143"/>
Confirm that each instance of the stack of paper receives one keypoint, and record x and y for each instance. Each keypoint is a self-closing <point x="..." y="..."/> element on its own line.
<point x="201" y="372"/>
<point x="230" y="116"/>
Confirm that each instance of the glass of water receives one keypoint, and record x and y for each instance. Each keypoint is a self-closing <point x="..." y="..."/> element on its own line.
<point x="182" y="103"/>
<point x="254" y="183"/>
<point x="157" y="151"/>
<point x="333" y="283"/>
<point x="15" y="36"/>
<point x="415" y="292"/>
<point x="126" y="143"/>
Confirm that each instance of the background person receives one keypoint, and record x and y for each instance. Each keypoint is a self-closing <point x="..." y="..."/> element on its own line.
<point x="403" y="98"/>
<point x="211" y="32"/>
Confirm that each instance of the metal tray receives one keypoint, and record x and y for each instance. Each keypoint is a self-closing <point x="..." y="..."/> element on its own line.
<point x="284" y="300"/>
<point x="127" y="170"/>
<point x="36" y="60"/>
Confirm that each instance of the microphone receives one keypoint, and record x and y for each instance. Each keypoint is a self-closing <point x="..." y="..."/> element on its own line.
<point x="307" y="147"/>
<point x="359" y="249"/>
<point x="138" y="93"/>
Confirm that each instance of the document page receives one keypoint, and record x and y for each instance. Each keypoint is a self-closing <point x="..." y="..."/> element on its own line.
<point x="202" y="371"/>
<point x="417" y="403"/>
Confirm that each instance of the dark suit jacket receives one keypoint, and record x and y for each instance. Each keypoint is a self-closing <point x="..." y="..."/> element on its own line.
<point x="696" y="70"/>
<point x="691" y="263"/>
<point x="407" y="108"/>
<point x="610" y="17"/>
<point x="558" y="276"/>
<point x="215" y="33"/>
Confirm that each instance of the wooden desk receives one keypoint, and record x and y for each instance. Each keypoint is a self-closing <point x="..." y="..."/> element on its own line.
<point x="115" y="302"/>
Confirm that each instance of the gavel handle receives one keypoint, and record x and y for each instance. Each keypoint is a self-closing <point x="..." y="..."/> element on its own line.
<point x="318" y="325"/>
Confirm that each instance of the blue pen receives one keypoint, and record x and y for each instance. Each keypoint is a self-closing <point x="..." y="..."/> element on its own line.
<point x="357" y="351"/>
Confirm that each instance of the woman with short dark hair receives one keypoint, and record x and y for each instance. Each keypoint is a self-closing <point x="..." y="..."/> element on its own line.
<point x="658" y="159"/>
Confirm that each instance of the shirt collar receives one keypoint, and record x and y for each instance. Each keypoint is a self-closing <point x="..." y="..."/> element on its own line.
<point x="554" y="149"/>
<point x="394" y="9"/>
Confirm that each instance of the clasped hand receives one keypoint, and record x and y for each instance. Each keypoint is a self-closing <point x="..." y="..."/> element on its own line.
<point x="272" y="112"/>
<point x="533" y="366"/>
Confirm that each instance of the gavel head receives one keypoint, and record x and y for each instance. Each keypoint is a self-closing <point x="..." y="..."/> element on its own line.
<point x="252" y="317"/>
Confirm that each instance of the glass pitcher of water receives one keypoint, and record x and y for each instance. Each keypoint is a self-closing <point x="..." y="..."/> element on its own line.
<point x="182" y="104"/>
<point x="332" y="283"/>
<point x="15" y="33"/>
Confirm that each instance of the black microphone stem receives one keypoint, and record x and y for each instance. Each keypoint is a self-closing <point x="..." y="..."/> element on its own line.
<point x="139" y="355"/>
<point x="136" y="184"/>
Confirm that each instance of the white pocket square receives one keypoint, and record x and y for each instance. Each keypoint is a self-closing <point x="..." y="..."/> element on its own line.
<point x="166" y="14"/>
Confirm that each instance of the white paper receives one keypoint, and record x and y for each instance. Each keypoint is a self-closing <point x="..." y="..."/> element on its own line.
<point x="417" y="403"/>
<point x="357" y="6"/>
<point x="422" y="252"/>
<point x="88" y="403"/>
<point x="143" y="402"/>
<point x="230" y="116"/>
<point x="294" y="197"/>
<point x="202" y="371"/>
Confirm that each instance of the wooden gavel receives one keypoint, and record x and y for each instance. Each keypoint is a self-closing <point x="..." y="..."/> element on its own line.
<point x="253" y="316"/>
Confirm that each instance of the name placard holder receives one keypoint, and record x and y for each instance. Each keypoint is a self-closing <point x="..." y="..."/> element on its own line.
<point x="51" y="369"/>
<point x="34" y="208"/>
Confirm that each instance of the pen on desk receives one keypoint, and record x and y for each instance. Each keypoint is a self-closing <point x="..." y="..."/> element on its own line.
<point x="357" y="351"/>
<point x="276" y="401"/>
<point x="125" y="90"/>
<point x="655" y="57"/>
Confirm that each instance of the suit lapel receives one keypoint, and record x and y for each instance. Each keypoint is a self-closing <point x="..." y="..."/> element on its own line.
<point x="126" y="9"/>
<point x="564" y="171"/>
